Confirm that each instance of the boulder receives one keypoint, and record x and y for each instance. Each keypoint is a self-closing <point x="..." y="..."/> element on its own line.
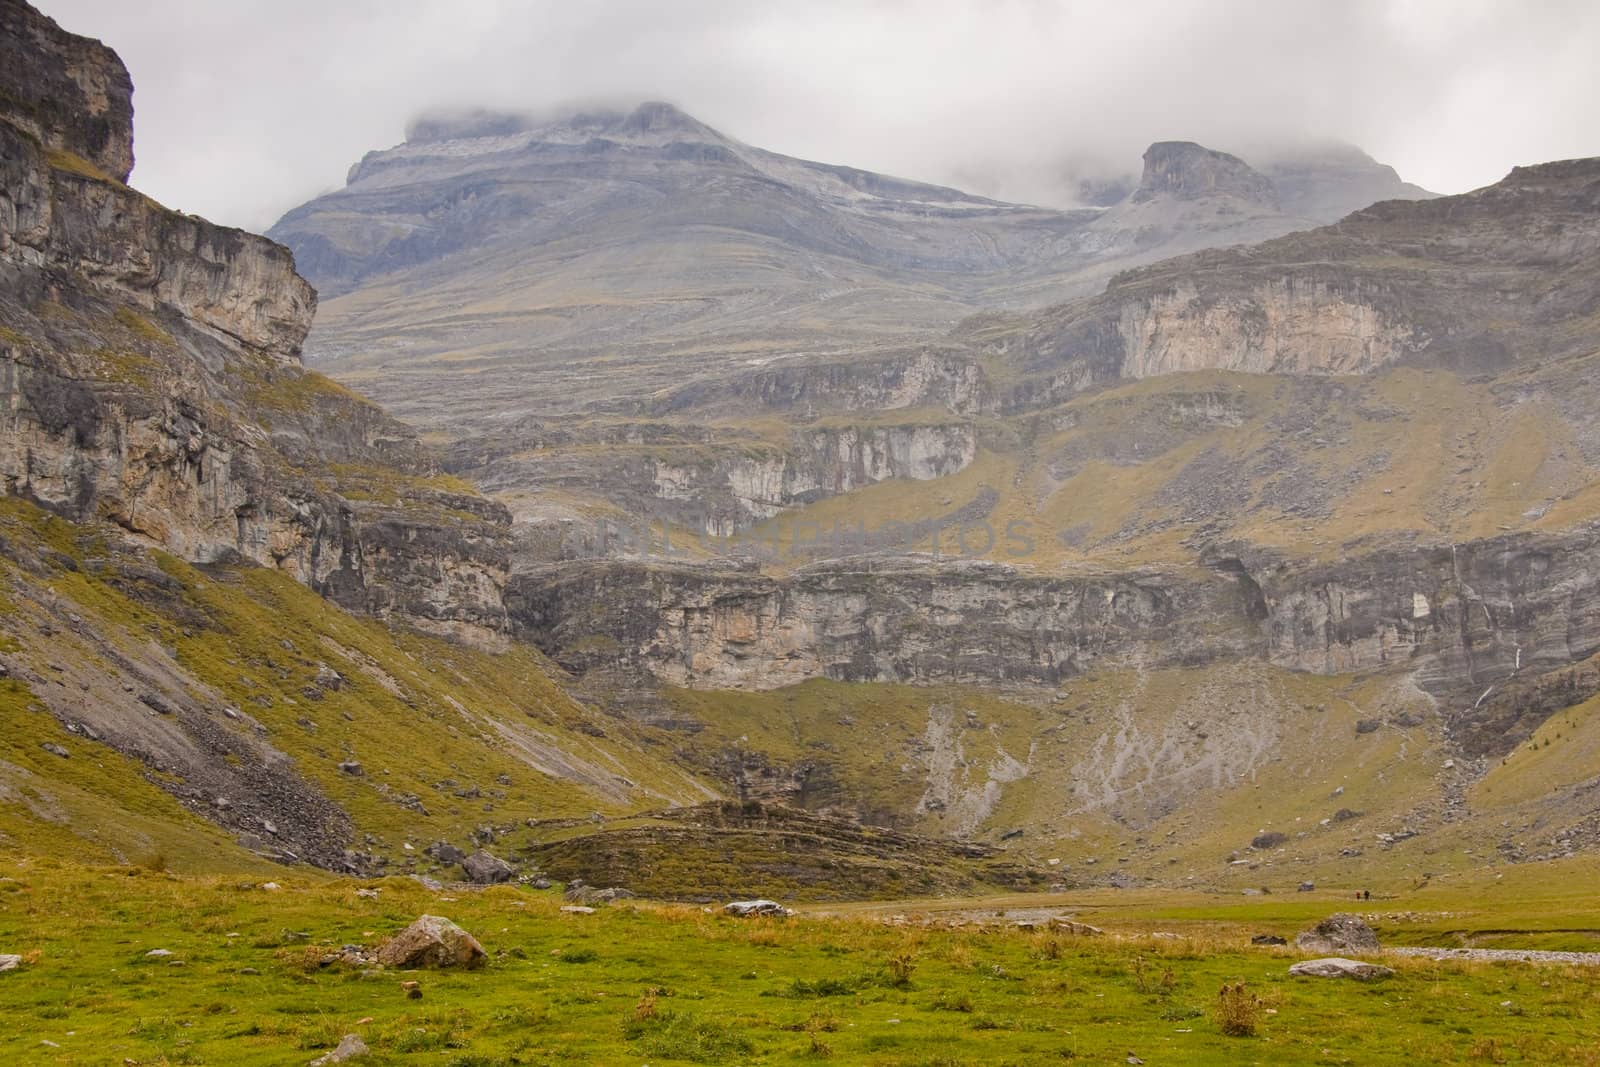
<point x="445" y="853"/>
<point x="432" y="941"/>
<point x="350" y="1048"/>
<point x="1341" y="932"/>
<point x="484" y="869"/>
<point x="1338" y="967"/>
<point x="747" y="908"/>
<point x="588" y="894"/>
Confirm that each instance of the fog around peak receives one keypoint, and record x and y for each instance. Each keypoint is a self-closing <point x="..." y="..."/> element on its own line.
<point x="248" y="108"/>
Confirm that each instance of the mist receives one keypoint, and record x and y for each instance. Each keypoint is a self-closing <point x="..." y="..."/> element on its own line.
<point x="248" y="108"/>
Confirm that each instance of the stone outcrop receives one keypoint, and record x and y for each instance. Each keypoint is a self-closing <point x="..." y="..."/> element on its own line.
<point x="1188" y="171"/>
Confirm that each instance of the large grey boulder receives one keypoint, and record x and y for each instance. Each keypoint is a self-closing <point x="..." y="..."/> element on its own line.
<point x="484" y="869"/>
<point x="1338" y="967"/>
<point x="1341" y="932"/>
<point x="432" y="941"/>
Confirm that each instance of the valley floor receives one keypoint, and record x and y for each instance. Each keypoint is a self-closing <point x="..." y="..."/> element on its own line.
<point x="938" y="982"/>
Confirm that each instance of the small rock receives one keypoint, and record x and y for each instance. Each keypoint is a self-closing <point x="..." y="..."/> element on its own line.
<point x="56" y="750"/>
<point x="158" y="954"/>
<point x="1267" y="939"/>
<point x="9" y="963"/>
<point x="1306" y="887"/>
<point x="351" y="1047"/>
<point x="577" y="909"/>
<point x="271" y="887"/>
<point x="1338" y="967"/>
<point x="1078" y="929"/>
<point x="352" y="768"/>
<point x="747" y="908"/>
<point x="412" y="990"/>
<point x="367" y="894"/>
<point x="432" y="941"/>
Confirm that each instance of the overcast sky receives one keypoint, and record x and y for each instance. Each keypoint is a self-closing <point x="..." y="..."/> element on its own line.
<point x="245" y="108"/>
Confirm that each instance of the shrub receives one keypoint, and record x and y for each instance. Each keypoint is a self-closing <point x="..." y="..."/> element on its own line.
<point x="1238" y="1010"/>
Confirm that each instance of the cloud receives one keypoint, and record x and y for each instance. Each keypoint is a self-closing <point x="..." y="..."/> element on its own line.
<point x="247" y="108"/>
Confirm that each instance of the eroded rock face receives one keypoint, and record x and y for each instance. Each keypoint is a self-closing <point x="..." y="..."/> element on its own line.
<point x="891" y="620"/>
<point x="1500" y="627"/>
<point x="150" y="373"/>
<point x="1440" y="282"/>
<point x="76" y="94"/>
<point x="1188" y="171"/>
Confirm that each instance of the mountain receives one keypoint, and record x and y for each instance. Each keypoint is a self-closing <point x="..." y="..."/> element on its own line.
<point x="1250" y="566"/>
<point x="520" y="259"/>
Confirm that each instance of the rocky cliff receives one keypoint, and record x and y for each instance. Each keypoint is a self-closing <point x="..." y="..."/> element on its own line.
<point x="150" y="374"/>
<point x="1477" y="282"/>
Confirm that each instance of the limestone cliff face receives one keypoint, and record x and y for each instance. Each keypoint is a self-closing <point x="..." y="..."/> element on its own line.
<point x="150" y="372"/>
<point x="1465" y="622"/>
<point x="888" y="621"/>
<point x="1478" y="622"/>
<point x="1290" y="325"/>
<point x="1479" y="282"/>
<point x="70" y="93"/>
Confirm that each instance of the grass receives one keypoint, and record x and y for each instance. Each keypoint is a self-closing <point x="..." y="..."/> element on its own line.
<point x="672" y="985"/>
<point x="468" y="733"/>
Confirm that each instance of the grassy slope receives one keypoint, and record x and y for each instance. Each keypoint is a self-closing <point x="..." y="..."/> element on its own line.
<point x="676" y="986"/>
<point x="423" y="716"/>
<point x="1133" y="471"/>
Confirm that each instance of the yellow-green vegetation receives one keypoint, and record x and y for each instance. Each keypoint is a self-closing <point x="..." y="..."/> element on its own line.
<point x="269" y="390"/>
<point x="72" y="163"/>
<point x="393" y="488"/>
<point x="125" y="366"/>
<point x="449" y="737"/>
<point x="141" y="327"/>
<point x="94" y="805"/>
<point x="671" y="986"/>
<point x="1152" y="774"/>
<point x="1133" y="473"/>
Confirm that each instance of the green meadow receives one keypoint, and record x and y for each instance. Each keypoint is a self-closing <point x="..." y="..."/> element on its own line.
<point x="926" y="983"/>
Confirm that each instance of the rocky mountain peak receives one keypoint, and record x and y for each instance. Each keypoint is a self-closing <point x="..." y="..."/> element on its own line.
<point x="72" y="93"/>
<point x="1183" y="170"/>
